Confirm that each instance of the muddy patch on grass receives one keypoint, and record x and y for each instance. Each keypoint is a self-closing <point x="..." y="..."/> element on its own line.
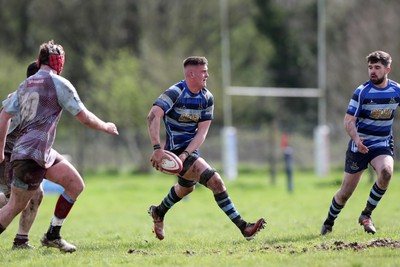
<point x="336" y="245"/>
<point x="292" y="249"/>
<point x="140" y="252"/>
<point x="379" y="243"/>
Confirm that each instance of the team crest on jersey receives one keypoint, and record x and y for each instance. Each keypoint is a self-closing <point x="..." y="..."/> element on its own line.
<point x="381" y="113"/>
<point x="354" y="166"/>
<point x="189" y="117"/>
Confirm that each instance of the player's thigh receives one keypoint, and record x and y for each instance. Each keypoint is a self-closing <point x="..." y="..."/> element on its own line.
<point x="197" y="168"/>
<point x="383" y="163"/>
<point x="65" y="174"/>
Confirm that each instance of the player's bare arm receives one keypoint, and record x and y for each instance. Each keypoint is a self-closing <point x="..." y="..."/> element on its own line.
<point x="153" y="126"/>
<point x="351" y="129"/>
<point x="92" y="121"/>
<point x="198" y="138"/>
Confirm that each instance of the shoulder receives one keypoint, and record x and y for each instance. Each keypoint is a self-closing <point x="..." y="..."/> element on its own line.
<point x="177" y="87"/>
<point x="394" y="84"/>
<point x="63" y="87"/>
<point x="363" y="86"/>
<point x="363" y="89"/>
<point x="207" y="93"/>
<point x="173" y="92"/>
<point x="208" y="96"/>
<point x="59" y="80"/>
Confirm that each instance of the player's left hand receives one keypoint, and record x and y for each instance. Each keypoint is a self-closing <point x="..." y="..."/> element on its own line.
<point x="111" y="128"/>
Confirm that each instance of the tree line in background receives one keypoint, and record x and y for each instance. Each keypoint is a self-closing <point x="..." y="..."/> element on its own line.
<point x="121" y="55"/>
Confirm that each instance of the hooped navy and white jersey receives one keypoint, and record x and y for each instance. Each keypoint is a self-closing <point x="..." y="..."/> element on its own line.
<point x="374" y="108"/>
<point x="183" y="112"/>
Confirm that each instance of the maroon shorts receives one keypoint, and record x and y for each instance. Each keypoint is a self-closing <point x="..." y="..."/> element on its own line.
<point x="28" y="175"/>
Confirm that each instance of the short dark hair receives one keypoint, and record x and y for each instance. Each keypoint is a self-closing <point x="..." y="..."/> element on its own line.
<point x="32" y="69"/>
<point x="195" y="60"/>
<point x="380" y="56"/>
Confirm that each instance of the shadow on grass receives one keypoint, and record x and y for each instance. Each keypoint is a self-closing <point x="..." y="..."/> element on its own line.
<point x="329" y="183"/>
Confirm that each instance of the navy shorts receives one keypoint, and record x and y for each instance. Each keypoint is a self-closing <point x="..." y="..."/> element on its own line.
<point x="356" y="161"/>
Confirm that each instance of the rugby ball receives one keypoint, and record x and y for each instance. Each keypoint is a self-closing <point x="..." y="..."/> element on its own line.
<point x="171" y="163"/>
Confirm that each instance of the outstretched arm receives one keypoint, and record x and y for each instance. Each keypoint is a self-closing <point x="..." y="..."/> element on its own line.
<point x="92" y="121"/>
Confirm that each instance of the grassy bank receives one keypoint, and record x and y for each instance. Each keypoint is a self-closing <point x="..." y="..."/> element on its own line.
<point x="110" y="226"/>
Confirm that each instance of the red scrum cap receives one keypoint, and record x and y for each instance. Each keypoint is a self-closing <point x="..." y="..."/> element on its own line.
<point x="53" y="55"/>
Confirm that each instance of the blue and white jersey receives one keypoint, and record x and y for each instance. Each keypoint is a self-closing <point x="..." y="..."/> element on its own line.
<point x="183" y="111"/>
<point x="374" y="108"/>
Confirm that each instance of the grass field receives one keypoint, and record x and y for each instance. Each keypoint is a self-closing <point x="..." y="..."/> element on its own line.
<point x="110" y="226"/>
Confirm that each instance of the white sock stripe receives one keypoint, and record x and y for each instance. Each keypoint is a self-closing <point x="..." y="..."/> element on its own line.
<point x="375" y="193"/>
<point x="56" y="221"/>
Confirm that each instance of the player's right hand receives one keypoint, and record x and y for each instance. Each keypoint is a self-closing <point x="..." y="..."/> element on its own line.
<point x="156" y="158"/>
<point x="361" y="147"/>
<point x="111" y="128"/>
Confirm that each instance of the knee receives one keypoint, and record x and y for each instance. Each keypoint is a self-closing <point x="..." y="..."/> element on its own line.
<point x="187" y="190"/>
<point x="206" y="176"/>
<point x="78" y="190"/>
<point x="184" y="186"/>
<point x="183" y="191"/>
<point x="37" y="198"/>
<point x="74" y="189"/>
<point x="386" y="174"/>
<point x="216" y="184"/>
<point x="79" y="186"/>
